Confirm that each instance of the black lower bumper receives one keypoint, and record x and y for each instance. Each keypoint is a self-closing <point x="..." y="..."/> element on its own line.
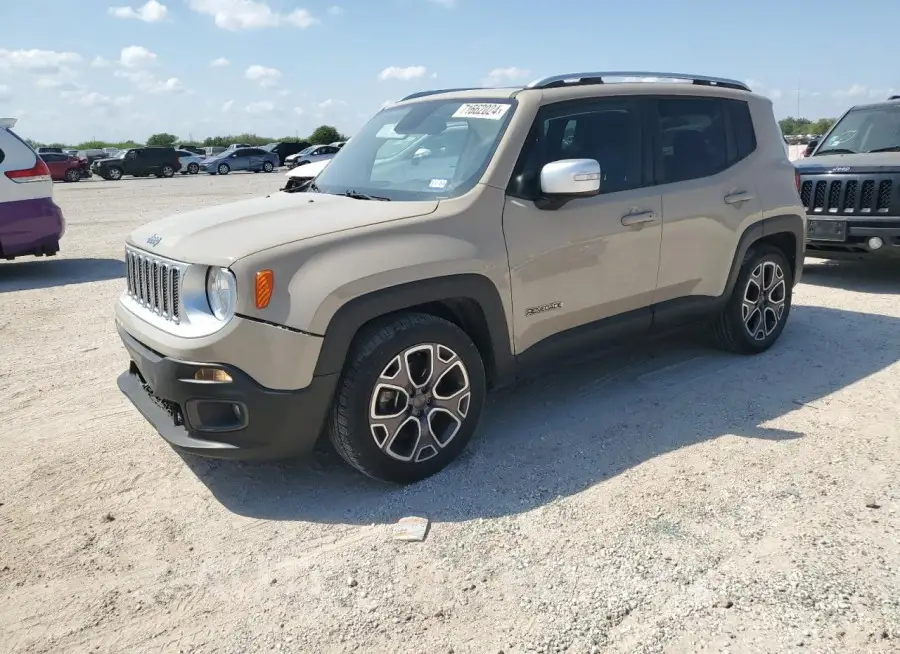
<point x="235" y="420"/>
<point x="854" y="243"/>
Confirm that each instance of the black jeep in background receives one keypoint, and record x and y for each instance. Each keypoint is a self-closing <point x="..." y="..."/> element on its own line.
<point x="139" y="162"/>
<point x="850" y="186"/>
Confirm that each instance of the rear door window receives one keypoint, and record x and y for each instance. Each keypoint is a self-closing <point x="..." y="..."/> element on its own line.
<point x="693" y="138"/>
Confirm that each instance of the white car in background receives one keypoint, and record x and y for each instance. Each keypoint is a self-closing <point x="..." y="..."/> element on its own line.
<point x="190" y="161"/>
<point x="31" y="223"/>
<point x="311" y="154"/>
<point x="303" y="175"/>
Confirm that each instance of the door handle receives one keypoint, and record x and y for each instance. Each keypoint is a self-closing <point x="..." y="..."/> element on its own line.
<point x="638" y="218"/>
<point x="739" y="196"/>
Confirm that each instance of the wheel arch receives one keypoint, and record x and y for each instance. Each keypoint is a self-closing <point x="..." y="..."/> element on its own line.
<point x="469" y="300"/>
<point x="786" y="232"/>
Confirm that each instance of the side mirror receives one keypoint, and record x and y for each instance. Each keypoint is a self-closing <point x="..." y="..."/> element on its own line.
<point x="568" y="179"/>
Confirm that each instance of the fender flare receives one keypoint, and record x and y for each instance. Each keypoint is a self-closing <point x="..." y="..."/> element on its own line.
<point x="494" y="343"/>
<point x="784" y="224"/>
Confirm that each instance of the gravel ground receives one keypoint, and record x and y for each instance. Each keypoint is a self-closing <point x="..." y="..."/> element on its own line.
<point x="664" y="499"/>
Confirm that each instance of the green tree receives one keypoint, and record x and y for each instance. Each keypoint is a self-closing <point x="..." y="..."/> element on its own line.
<point x="162" y="139"/>
<point x="822" y="125"/>
<point x="326" y="134"/>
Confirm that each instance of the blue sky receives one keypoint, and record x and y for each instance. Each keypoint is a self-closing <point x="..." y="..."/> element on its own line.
<point x="128" y="68"/>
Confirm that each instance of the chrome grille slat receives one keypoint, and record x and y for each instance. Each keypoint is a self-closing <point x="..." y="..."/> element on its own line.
<point x="154" y="283"/>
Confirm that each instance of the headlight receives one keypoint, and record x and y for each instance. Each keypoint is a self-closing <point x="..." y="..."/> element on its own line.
<point x="221" y="292"/>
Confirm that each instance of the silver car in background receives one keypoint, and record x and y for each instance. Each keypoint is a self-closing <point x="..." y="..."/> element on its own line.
<point x="311" y="154"/>
<point x="190" y="162"/>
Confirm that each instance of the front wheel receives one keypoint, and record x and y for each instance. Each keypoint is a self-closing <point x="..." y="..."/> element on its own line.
<point x="223" y="169"/>
<point x="409" y="399"/>
<point x="73" y="175"/>
<point x="268" y="167"/>
<point x="114" y="174"/>
<point x="758" y="308"/>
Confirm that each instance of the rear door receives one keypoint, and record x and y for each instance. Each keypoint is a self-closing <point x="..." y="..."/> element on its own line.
<point x="255" y="158"/>
<point x="709" y="194"/>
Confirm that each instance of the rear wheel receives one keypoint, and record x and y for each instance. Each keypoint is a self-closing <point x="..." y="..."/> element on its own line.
<point x="114" y="173"/>
<point x="73" y="175"/>
<point x="409" y="399"/>
<point x="268" y="167"/>
<point x="193" y="168"/>
<point x="168" y="171"/>
<point x="760" y="303"/>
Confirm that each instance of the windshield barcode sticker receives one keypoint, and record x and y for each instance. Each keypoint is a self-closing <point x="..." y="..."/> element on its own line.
<point x="481" y="110"/>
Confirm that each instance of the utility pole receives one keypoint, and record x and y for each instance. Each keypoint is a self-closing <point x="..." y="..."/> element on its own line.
<point x="798" y="100"/>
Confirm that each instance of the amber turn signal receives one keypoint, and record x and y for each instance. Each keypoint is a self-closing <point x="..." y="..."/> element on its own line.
<point x="265" y="285"/>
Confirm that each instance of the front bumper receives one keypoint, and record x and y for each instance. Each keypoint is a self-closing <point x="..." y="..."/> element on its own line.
<point x="236" y="420"/>
<point x="855" y="245"/>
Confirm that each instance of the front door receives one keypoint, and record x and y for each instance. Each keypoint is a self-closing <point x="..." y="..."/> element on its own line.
<point x="594" y="258"/>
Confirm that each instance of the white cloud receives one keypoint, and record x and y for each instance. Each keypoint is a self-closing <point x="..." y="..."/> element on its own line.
<point x="335" y="10"/>
<point x="148" y="83"/>
<point x="855" y="91"/>
<point x="38" y="61"/>
<point x="100" y="62"/>
<point x="218" y="63"/>
<point x="265" y="77"/>
<point x="259" y="108"/>
<point x="135" y="56"/>
<point x="151" y="12"/>
<point x="227" y="106"/>
<point x="237" y="15"/>
<point x="775" y="94"/>
<point x="325" y="104"/>
<point x="406" y="73"/>
<point x="500" y="76"/>
<point x="94" y="99"/>
<point x="49" y="82"/>
<point x="299" y="111"/>
<point x="5" y="93"/>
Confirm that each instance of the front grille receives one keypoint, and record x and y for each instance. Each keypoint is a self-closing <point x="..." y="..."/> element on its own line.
<point x="847" y="195"/>
<point x="153" y="282"/>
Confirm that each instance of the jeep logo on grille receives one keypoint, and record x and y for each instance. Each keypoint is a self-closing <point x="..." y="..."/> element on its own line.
<point x="154" y="240"/>
<point x="841" y="169"/>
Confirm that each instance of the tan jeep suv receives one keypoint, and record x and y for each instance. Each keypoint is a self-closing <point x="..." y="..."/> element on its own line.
<point x="458" y="239"/>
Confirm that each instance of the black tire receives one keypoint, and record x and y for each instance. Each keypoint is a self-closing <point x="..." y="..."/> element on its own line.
<point x="268" y="167"/>
<point x="730" y="331"/>
<point x="193" y="168"/>
<point x="113" y="174"/>
<point x="167" y="171"/>
<point x="223" y="169"/>
<point x="373" y="350"/>
<point x="73" y="175"/>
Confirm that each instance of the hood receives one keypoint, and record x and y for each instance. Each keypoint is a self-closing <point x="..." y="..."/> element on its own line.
<point x="106" y="160"/>
<point x="863" y="162"/>
<point x="309" y="170"/>
<point x="220" y="235"/>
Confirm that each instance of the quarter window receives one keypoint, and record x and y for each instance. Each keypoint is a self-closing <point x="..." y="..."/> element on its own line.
<point x="741" y="128"/>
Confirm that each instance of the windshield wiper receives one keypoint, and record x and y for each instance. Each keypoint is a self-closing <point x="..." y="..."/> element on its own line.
<point x="362" y="196"/>
<point x="893" y="148"/>
<point x="835" y="151"/>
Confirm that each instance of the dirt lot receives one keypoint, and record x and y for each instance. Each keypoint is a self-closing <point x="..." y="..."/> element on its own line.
<point x="668" y="499"/>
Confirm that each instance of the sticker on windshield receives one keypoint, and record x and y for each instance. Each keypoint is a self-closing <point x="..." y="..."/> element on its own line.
<point x="438" y="183"/>
<point x="486" y="110"/>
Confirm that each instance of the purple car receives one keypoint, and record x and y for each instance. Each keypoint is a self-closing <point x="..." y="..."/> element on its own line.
<point x="31" y="224"/>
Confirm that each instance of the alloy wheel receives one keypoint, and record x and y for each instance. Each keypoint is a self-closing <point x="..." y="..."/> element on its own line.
<point x="419" y="402"/>
<point x="764" y="300"/>
<point x="115" y="173"/>
<point x="223" y="169"/>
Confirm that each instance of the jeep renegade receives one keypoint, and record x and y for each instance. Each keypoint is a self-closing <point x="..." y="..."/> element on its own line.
<point x="850" y="186"/>
<point x="460" y="237"/>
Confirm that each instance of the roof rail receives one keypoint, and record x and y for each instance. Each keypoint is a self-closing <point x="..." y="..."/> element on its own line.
<point x="421" y="94"/>
<point x="576" y="79"/>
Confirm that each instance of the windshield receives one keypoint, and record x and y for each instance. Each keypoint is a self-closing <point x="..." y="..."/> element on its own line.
<point x="867" y="129"/>
<point x="427" y="150"/>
